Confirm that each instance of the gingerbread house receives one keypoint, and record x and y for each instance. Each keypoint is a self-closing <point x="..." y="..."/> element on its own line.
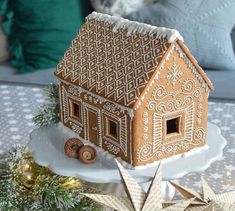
<point x="133" y="90"/>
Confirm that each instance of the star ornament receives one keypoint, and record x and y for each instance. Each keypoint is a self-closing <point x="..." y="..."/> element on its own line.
<point x="206" y="200"/>
<point x="137" y="199"/>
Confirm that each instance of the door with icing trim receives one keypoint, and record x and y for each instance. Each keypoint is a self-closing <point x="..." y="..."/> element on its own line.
<point x="92" y="127"/>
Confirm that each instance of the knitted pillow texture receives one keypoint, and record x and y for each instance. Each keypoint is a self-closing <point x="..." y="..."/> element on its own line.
<point x="119" y="7"/>
<point x="206" y="26"/>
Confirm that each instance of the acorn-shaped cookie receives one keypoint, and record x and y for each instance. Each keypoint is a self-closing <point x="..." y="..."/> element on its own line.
<point x="87" y="154"/>
<point x="72" y="147"/>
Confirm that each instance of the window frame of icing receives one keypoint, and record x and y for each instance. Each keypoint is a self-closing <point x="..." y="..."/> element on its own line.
<point x="71" y="110"/>
<point x="107" y="135"/>
<point x="174" y="136"/>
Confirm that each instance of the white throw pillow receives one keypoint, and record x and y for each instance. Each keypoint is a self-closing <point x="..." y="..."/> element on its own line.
<point x="119" y="7"/>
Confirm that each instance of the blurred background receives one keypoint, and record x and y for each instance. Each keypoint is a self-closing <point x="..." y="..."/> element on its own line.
<point x="34" y="34"/>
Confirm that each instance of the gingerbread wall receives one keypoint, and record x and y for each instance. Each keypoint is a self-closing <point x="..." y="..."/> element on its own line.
<point x="93" y="119"/>
<point x="177" y="94"/>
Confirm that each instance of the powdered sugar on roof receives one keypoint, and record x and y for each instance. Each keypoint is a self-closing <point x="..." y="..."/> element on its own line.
<point x="135" y="27"/>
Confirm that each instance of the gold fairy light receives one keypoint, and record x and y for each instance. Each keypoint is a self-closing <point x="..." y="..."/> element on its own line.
<point x="29" y="177"/>
<point x="71" y="183"/>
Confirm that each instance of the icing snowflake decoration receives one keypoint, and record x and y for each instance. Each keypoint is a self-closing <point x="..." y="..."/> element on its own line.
<point x="175" y="73"/>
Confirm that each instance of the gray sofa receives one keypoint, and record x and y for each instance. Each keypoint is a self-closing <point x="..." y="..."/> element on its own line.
<point x="8" y="74"/>
<point x="223" y="80"/>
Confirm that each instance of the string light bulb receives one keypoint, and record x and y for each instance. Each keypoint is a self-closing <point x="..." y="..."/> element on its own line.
<point x="29" y="177"/>
<point x="27" y="166"/>
<point x="71" y="182"/>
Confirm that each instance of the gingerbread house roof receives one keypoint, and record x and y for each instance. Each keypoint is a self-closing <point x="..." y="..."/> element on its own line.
<point x="114" y="57"/>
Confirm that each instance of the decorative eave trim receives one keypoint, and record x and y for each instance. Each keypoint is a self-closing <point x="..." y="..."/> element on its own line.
<point x="102" y="99"/>
<point x="135" y="27"/>
<point x="194" y="63"/>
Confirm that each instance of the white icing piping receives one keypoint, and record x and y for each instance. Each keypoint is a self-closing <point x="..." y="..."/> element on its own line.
<point x="135" y="27"/>
<point x="110" y="158"/>
<point x="190" y="66"/>
<point x="102" y="99"/>
<point x="101" y="152"/>
<point x="156" y="77"/>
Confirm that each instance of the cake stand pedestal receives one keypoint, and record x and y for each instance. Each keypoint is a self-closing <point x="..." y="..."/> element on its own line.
<point x="47" y="147"/>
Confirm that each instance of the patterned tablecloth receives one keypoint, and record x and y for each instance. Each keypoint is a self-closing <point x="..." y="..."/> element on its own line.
<point x="18" y="105"/>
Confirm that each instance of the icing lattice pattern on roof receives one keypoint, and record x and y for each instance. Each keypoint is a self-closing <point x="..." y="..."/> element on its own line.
<point x="113" y="64"/>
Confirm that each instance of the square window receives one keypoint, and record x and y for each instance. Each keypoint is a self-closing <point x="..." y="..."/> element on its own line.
<point x="112" y="128"/>
<point x="75" y="110"/>
<point x="173" y="126"/>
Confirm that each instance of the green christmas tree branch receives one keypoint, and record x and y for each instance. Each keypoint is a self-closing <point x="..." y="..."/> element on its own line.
<point x="48" y="113"/>
<point x="24" y="185"/>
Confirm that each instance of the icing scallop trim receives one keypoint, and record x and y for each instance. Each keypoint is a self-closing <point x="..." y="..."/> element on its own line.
<point x="136" y="27"/>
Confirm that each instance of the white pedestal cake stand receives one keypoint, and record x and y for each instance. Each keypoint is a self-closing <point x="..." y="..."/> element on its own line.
<point x="47" y="146"/>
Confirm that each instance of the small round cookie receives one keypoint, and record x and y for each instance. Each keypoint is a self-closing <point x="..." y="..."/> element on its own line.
<point x="72" y="146"/>
<point x="87" y="154"/>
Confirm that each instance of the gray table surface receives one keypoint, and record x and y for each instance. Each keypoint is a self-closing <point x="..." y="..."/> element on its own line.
<point x="18" y="105"/>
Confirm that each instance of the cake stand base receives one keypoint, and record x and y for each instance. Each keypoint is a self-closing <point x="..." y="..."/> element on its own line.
<point x="47" y="147"/>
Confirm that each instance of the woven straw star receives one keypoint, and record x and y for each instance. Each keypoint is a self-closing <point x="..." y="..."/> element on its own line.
<point x="207" y="200"/>
<point x="138" y="199"/>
